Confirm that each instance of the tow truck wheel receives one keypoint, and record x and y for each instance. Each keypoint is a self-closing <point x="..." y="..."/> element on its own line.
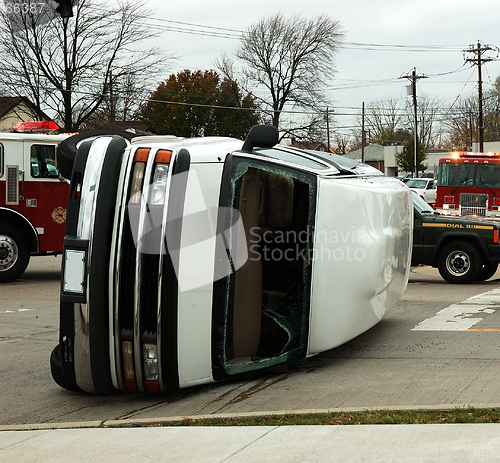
<point x="460" y="262"/>
<point x="489" y="269"/>
<point x="14" y="253"/>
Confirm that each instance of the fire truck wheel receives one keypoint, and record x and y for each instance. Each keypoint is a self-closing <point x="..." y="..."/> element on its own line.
<point x="67" y="149"/>
<point x="489" y="269"/>
<point x="57" y="371"/>
<point x="460" y="262"/>
<point x="14" y="253"/>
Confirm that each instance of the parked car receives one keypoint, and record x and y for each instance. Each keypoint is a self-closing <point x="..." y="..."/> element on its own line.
<point x="188" y="261"/>
<point x="404" y="177"/>
<point x="424" y="187"/>
<point x="463" y="249"/>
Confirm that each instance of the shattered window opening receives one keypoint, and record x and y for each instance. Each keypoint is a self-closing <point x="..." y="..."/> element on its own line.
<point x="265" y="319"/>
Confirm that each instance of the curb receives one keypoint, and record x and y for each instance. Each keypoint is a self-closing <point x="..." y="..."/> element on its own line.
<point x="150" y="422"/>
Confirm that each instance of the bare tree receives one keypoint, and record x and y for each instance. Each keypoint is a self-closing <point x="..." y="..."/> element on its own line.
<point x="304" y="128"/>
<point x="72" y="66"/>
<point x="292" y="58"/>
<point x="427" y="117"/>
<point x="391" y="121"/>
<point x="121" y="103"/>
<point x="461" y="123"/>
<point x="383" y="119"/>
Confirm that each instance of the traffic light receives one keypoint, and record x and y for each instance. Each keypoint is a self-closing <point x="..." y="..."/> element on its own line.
<point x="65" y="8"/>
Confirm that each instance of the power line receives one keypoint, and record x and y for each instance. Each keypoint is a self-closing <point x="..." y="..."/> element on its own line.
<point x="194" y="25"/>
<point x="478" y="60"/>
<point x="405" y="48"/>
<point x="222" y="32"/>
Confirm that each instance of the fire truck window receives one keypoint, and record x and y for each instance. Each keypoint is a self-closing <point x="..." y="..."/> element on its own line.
<point x="488" y="175"/>
<point x="1" y="160"/>
<point x="43" y="161"/>
<point x="456" y="174"/>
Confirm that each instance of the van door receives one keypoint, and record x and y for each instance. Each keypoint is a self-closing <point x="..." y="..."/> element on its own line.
<point x="261" y="308"/>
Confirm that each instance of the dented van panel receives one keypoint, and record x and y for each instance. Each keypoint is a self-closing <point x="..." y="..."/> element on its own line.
<point x="361" y="259"/>
<point x="189" y="261"/>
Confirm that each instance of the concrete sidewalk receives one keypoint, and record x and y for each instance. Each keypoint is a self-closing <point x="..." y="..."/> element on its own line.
<point x="374" y="443"/>
<point x="390" y="368"/>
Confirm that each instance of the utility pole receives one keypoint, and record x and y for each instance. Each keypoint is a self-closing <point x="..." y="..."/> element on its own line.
<point x="471" y="129"/>
<point x="413" y="77"/>
<point x="112" y="113"/>
<point x="478" y="60"/>
<point x="327" y="117"/>
<point x="363" y="132"/>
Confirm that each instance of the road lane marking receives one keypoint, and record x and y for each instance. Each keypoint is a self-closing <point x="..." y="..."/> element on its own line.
<point x="463" y="315"/>
<point x="484" y="329"/>
<point x="14" y="311"/>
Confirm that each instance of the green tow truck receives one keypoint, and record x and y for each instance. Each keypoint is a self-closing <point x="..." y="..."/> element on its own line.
<point x="463" y="249"/>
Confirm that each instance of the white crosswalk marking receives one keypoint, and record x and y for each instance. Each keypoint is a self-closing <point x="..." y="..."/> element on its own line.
<point x="462" y="316"/>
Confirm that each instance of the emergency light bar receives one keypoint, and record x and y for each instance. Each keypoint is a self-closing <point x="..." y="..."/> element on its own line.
<point x="465" y="154"/>
<point x="37" y="126"/>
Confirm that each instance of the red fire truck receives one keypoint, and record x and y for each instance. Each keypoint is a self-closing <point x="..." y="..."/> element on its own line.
<point x="469" y="184"/>
<point x="33" y="199"/>
<point x="33" y="194"/>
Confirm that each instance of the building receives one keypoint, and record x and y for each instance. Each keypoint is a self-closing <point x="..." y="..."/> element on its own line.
<point x="373" y="156"/>
<point x="384" y="157"/>
<point x="309" y="145"/>
<point x="14" y="109"/>
<point x="391" y="168"/>
<point x="489" y="146"/>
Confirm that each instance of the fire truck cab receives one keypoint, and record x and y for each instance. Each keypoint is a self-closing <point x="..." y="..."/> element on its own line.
<point x="468" y="184"/>
<point x="33" y="200"/>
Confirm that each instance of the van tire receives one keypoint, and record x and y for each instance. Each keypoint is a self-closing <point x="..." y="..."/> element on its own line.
<point x="67" y="149"/>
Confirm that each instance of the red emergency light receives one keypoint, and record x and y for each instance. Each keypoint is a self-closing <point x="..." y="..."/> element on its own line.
<point x="466" y="154"/>
<point x="37" y="126"/>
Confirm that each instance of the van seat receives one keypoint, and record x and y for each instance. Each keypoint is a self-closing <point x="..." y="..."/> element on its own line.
<point x="278" y="202"/>
<point x="247" y="311"/>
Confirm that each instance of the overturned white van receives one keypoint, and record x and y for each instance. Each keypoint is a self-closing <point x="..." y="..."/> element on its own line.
<point x="188" y="261"/>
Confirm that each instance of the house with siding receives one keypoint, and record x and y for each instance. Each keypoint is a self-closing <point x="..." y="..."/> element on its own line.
<point x="373" y="156"/>
<point x="14" y="109"/>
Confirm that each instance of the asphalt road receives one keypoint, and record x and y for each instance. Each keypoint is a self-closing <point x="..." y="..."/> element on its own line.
<point x="412" y="358"/>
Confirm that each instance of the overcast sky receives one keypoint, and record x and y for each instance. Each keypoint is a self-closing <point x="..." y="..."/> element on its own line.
<point x="427" y="34"/>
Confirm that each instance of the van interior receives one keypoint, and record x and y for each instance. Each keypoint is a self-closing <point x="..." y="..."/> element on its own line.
<point x="268" y="303"/>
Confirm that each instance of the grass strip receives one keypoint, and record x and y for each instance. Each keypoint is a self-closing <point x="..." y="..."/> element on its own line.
<point x="460" y="415"/>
